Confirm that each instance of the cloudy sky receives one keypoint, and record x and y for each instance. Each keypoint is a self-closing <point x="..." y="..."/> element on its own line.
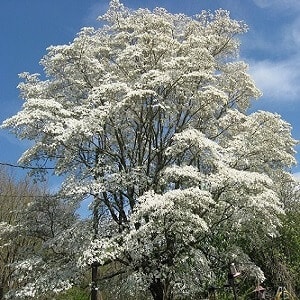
<point x="271" y="47"/>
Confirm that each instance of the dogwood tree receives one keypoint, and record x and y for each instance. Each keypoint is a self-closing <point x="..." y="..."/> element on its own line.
<point x="49" y="264"/>
<point x="148" y="117"/>
<point x="34" y="229"/>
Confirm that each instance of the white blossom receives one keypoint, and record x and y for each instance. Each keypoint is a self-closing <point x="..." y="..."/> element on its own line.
<point x="147" y="117"/>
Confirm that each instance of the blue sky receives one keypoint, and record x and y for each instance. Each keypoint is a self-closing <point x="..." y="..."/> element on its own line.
<point x="271" y="47"/>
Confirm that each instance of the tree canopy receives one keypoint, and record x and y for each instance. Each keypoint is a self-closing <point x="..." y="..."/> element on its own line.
<point x="148" y="116"/>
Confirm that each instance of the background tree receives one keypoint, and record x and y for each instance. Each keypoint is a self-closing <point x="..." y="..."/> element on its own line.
<point x="15" y="196"/>
<point x="58" y="235"/>
<point x="148" y="116"/>
<point x="279" y="255"/>
<point x="289" y="239"/>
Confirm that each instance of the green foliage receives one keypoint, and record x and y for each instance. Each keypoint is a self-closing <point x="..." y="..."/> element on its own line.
<point x="15" y="197"/>
<point x="75" y="293"/>
<point x="289" y="248"/>
<point x="147" y="116"/>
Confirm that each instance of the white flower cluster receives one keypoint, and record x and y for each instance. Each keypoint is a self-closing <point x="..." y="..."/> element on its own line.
<point x="100" y="251"/>
<point x="147" y="116"/>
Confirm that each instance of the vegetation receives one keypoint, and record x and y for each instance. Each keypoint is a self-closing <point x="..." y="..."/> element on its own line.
<point x="148" y="118"/>
<point x="15" y="197"/>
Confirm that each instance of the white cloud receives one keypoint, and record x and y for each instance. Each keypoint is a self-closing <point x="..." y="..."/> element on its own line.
<point x="94" y="12"/>
<point x="278" y="4"/>
<point x="258" y="42"/>
<point x="297" y="175"/>
<point x="291" y="35"/>
<point x="263" y="3"/>
<point x="278" y="76"/>
<point x="278" y="80"/>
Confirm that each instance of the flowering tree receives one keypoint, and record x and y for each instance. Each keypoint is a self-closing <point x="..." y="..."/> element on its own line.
<point x="279" y="256"/>
<point x="148" y="117"/>
<point x="49" y="264"/>
<point x="14" y="198"/>
<point x="31" y="229"/>
<point x="37" y="235"/>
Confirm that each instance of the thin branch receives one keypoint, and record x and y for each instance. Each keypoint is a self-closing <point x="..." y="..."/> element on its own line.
<point x="112" y="275"/>
<point x="25" y="167"/>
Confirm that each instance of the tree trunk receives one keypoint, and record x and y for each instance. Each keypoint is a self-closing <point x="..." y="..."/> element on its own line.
<point x="161" y="290"/>
<point x="94" y="290"/>
<point x="157" y="290"/>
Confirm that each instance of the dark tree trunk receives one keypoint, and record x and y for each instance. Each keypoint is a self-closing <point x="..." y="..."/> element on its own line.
<point x="1" y="292"/>
<point x="94" y="290"/>
<point x="161" y="290"/>
<point x="157" y="290"/>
